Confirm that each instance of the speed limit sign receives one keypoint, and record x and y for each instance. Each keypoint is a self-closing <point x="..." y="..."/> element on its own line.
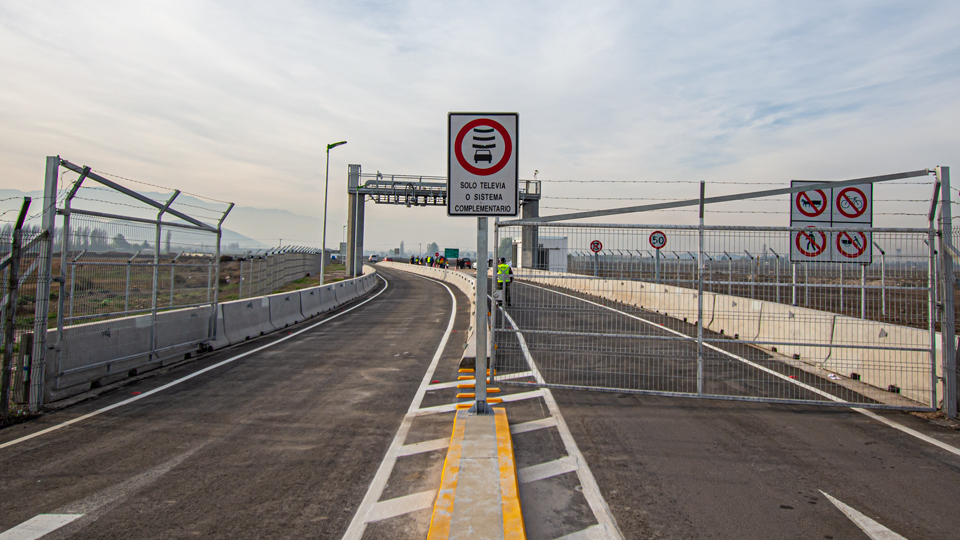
<point x="658" y="240"/>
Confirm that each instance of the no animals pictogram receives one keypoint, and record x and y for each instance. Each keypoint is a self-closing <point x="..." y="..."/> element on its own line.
<point x="811" y="203"/>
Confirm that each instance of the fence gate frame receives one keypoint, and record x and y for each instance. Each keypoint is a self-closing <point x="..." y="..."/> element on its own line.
<point x="942" y="280"/>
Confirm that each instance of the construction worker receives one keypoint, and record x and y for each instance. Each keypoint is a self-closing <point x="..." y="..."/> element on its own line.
<point x="429" y="260"/>
<point x="503" y="279"/>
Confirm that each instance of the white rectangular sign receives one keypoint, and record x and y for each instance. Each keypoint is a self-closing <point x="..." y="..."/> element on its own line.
<point x="853" y="204"/>
<point x="810" y="206"/>
<point x="483" y="164"/>
<point x="824" y="243"/>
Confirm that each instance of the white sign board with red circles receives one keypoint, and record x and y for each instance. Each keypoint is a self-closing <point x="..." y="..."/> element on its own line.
<point x="852" y="246"/>
<point x="811" y="245"/>
<point x="853" y="204"/>
<point x="658" y="240"/>
<point x="810" y="206"/>
<point x="483" y="164"/>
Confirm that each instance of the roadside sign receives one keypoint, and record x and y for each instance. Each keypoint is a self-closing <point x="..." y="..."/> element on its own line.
<point x="658" y="240"/>
<point x="852" y="246"/>
<point x="853" y="204"/>
<point x="596" y="246"/>
<point x="809" y="246"/>
<point x="810" y="206"/>
<point x="451" y="253"/>
<point x="483" y="164"/>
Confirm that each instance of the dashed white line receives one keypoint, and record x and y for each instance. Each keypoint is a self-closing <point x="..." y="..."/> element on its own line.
<point x="547" y="470"/>
<point x="401" y="505"/>
<point x="425" y="446"/>
<point x="39" y="526"/>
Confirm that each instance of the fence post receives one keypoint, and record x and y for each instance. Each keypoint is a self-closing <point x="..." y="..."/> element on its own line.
<point x="156" y="276"/>
<point x="932" y="293"/>
<point x="947" y="288"/>
<point x="700" y="296"/>
<point x="10" y="309"/>
<point x="44" y="271"/>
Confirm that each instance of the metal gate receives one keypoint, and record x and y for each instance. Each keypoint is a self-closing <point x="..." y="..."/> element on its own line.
<point x="721" y="312"/>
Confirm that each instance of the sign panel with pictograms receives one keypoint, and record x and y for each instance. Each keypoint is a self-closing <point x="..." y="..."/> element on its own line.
<point x="812" y="206"/>
<point x="596" y="246"/>
<point x="482" y="164"/>
<point x="658" y="240"/>
<point x="853" y="204"/>
<point x="852" y="246"/>
<point x="811" y="245"/>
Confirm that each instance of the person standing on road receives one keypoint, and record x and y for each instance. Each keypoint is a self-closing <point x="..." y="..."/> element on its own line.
<point x="503" y="279"/>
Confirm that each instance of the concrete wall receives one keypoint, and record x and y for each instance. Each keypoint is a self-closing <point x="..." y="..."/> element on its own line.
<point x="99" y="353"/>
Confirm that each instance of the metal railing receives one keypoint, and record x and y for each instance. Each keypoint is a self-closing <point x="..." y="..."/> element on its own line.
<point x="262" y="274"/>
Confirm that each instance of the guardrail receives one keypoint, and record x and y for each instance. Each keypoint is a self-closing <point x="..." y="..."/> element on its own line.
<point x="119" y="348"/>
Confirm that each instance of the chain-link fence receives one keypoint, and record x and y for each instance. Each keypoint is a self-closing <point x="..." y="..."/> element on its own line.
<point x="260" y="275"/>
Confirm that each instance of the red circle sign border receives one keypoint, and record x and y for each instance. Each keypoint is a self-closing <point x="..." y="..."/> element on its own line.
<point x="823" y="247"/>
<point x="862" y="210"/>
<point x="822" y="208"/>
<point x="596" y="246"/>
<point x="664" y="240"/>
<point x="508" y="151"/>
<point x="844" y="253"/>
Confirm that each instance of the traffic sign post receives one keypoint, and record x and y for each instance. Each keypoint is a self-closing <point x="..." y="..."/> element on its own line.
<point x="658" y="241"/>
<point x="596" y="247"/>
<point x="831" y="209"/>
<point x="483" y="164"/>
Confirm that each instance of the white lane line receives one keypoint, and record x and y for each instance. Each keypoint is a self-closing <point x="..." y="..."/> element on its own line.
<point x="591" y="490"/>
<point x="870" y="527"/>
<point x="549" y="469"/>
<point x="534" y="425"/>
<point x="38" y="527"/>
<point x="445" y="385"/>
<point x="865" y="412"/>
<point x="401" y="505"/>
<point x="192" y="375"/>
<point x="594" y="532"/>
<point x="359" y="523"/>
<point x="425" y="446"/>
<point x="451" y="407"/>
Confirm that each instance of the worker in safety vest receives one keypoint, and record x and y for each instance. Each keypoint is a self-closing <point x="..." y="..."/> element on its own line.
<point x="503" y="279"/>
<point x="429" y="260"/>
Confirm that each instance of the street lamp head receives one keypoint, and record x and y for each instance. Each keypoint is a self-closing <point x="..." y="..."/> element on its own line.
<point x="334" y="145"/>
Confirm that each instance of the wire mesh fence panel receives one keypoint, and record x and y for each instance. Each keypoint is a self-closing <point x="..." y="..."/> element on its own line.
<point x="600" y="307"/>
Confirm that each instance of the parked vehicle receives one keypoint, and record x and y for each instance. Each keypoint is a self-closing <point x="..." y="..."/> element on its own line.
<point x="373" y="258"/>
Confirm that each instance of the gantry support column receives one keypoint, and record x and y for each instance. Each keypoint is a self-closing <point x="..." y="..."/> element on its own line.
<point x="355" y="202"/>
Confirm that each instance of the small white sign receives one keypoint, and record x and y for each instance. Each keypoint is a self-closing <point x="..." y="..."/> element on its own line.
<point x="852" y="246"/>
<point x="483" y="164"/>
<point x="853" y="204"/>
<point x="811" y="245"/>
<point x="810" y="206"/>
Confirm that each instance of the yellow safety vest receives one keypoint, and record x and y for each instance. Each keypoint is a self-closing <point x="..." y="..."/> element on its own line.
<point x="503" y="273"/>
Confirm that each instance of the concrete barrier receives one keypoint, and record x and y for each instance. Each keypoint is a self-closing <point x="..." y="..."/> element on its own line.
<point x="221" y="338"/>
<point x="285" y="309"/>
<point x="245" y="319"/>
<point x="310" y="302"/>
<point x="346" y="291"/>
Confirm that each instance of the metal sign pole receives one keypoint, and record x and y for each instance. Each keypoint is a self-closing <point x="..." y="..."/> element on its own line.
<point x="947" y="293"/>
<point x="480" y="368"/>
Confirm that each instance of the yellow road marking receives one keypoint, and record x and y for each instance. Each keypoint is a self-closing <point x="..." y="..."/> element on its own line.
<point x="443" y="508"/>
<point x="513" y="528"/>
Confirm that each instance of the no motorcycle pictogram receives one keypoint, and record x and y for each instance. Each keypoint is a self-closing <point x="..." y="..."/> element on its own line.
<point x="596" y="246"/>
<point x="812" y="203"/>
<point x="811" y="243"/>
<point x="851" y="244"/>
<point x="851" y="202"/>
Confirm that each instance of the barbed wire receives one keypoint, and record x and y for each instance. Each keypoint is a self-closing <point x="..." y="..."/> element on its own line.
<point x="158" y="186"/>
<point x="729" y="183"/>
<point x="767" y="199"/>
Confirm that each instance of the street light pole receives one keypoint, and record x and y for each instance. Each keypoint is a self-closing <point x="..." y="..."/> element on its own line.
<point x="326" y="186"/>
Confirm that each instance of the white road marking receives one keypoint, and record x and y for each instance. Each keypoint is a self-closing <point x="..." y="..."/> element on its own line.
<point x="425" y="446"/>
<point x="549" y="469"/>
<point x="952" y="449"/>
<point x="594" y="532"/>
<point x="870" y="527"/>
<point x="451" y="407"/>
<point x="533" y="425"/>
<point x="453" y="384"/>
<point x="401" y="505"/>
<point x="38" y="527"/>
<point x="362" y="517"/>
<point x="192" y="375"/>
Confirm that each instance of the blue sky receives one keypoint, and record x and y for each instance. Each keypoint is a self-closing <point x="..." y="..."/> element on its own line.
<point x="237" y="100"/>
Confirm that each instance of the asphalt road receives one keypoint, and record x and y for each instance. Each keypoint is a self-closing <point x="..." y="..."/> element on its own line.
<point x="282" y="443"/>
<point x="687" y="468"/>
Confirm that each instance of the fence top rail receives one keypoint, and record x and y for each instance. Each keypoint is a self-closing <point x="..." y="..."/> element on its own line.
<point x="722" y="198"/>
<point x="852" y="227"/>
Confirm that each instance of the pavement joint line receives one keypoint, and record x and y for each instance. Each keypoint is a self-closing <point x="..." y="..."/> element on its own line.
<point x="359" y="522"/>
<point x="423" y="447"/>
<point x="533" y="425"/>
<point x="593" y="532"/>
<point x="401" y="505"/>
<point x="194" y="374"/>
<point x="591" y="490"/>
<point x="442" y="516"/>
<point x="546" y="470"/>
<point x="38" y="526"/>
<point x="896" y="425"/>
<point x="513" y="527"/>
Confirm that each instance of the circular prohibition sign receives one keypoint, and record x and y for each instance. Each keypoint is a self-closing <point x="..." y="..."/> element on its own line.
<point x="596" y="246"/>
<point x="658" y="240"/>
<point x="804" y="201"/>
<point x="507" y="147"/>
<point x="812" y="248"/>
<point x="847" y="201"/>
<point x="847" y="241"/>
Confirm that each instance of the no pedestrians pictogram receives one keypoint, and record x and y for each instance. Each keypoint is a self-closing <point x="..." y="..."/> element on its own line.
<point x="811" y="203"/>
<point x="851" y="202"/>
<point x="811" y="243"/>
<point x="851" y="244"/>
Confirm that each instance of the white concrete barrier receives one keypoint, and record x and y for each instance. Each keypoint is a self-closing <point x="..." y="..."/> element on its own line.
<point x="246" y="319"/>
<point x="221" y="338"/>
<point x="285" y="309"/>
<point x="346" y="291"/>
<point x="310" y="302"/>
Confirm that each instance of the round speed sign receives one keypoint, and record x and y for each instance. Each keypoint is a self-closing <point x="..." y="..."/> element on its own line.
<point x="658" y="240"/>
<point x="596" y="246"/>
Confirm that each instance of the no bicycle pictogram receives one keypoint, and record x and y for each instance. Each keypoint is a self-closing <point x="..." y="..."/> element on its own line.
<point x="851" y="244"/>
<point x="811" y="203"/>
<point x="851" y="202"/>
<point x="490" y="144"/>
<point x="811" y="243"/>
